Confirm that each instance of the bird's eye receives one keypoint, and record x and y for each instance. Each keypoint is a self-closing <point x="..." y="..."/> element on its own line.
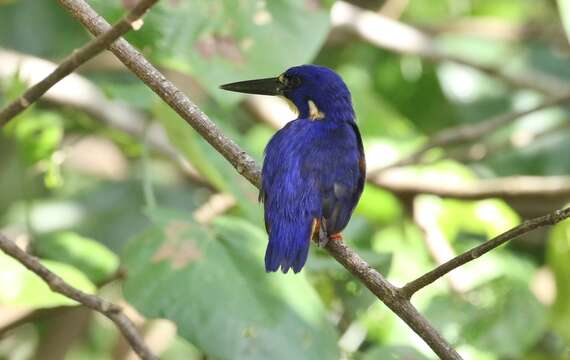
<point x="293" y="81"/>
<point x="289" y="81"/>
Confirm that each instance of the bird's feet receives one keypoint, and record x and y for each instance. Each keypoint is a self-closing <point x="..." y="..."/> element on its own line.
<point x="336" y="237"/>
<point x="319" y="233"/>
<point x="324" y="238"/>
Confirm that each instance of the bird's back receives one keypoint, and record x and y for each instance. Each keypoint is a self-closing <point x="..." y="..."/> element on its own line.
<point x="312" y="171"/>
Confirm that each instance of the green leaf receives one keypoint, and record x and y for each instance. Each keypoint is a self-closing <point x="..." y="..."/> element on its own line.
<point x="39" y="28"/>
<point x="38" y="133"/>
<point x="379" y="205"/>
<point x="23" y="288"/>
<point x="211" y="283"/>
<point x="87" y="255"/>
<point x="501" y="316"/>
<point x="221" y="41"/>
<point x="558" y="255"/>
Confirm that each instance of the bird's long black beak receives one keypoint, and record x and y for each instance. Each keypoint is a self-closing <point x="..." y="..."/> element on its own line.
<point x="268" y="86"/>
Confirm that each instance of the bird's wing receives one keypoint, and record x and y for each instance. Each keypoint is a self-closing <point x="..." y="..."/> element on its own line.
<point x="341" y="196"/>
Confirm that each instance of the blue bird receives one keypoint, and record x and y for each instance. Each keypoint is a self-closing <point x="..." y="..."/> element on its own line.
<point x="314" y="168"/>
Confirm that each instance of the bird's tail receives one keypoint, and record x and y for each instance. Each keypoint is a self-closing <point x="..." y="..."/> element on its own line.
<point x="288" y="246"/>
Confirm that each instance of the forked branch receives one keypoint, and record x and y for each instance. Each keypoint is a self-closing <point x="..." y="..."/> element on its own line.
<point x="58" y="285"/>
<point x="550" y="219"/>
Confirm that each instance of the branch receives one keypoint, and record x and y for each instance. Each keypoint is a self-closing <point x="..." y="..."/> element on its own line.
<point x="550" y="219"/>
<point x="473" y="132"/>
<point x="247" y="167"/>
<point x="77" y="58"/>
<point x="58" y="285"/>
<point x="406" y="183"/>
<point x="401" y="38"/>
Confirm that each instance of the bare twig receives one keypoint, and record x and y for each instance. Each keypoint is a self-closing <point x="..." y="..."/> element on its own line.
<point x="78" y="57"/>
<point x="58" y="285"/>
<point x="401" y="38"/>
<point x="246" y="166"/>
<point x="472" y="132"/>
<point x="550" y="219"/>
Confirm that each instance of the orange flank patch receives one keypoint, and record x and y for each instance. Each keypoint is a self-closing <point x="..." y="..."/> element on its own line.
<point x="315" y="229"/>
<point x="336" y="237"/>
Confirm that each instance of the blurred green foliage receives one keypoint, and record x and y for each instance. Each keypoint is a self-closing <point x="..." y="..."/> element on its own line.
<point x="111" y="213"/>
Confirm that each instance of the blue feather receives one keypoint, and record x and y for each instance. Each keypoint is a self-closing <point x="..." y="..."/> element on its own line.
<point x="313" y="168"/>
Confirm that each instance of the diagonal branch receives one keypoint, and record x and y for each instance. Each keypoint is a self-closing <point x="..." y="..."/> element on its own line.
<point x="76" y="59"/>
<point x="58" y="285"/>
<point x="246" y="166"/>
<point x="550" y="219"/>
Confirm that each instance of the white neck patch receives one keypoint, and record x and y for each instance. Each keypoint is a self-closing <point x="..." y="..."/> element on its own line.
<point x="314" y="112"/>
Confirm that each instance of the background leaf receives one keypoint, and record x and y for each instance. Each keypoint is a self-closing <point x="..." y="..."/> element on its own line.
<point x="187" y="269"/>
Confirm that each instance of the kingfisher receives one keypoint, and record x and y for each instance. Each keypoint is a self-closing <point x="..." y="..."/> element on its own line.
<point x="314" y="167"/>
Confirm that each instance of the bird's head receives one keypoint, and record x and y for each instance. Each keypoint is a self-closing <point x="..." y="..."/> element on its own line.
<point x="316" y="91"/>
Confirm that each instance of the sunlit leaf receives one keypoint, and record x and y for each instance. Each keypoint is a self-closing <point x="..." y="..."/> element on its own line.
<point x="564" y="6"/>
<point x="23" y="288"/>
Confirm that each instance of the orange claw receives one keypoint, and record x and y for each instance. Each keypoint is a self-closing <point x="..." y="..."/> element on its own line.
<point x="337" y="237"/>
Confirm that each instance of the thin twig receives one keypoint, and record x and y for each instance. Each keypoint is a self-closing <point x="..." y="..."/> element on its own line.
<point x="77" y="58"/>
<point x="472" y="132"/>
<point x="58" y="285"/>
<point x="247" y="167"/>
<point x="550" y="219"/>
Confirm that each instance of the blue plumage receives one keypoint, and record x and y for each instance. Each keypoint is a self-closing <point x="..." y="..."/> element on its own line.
<point x="314" y="169"/>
